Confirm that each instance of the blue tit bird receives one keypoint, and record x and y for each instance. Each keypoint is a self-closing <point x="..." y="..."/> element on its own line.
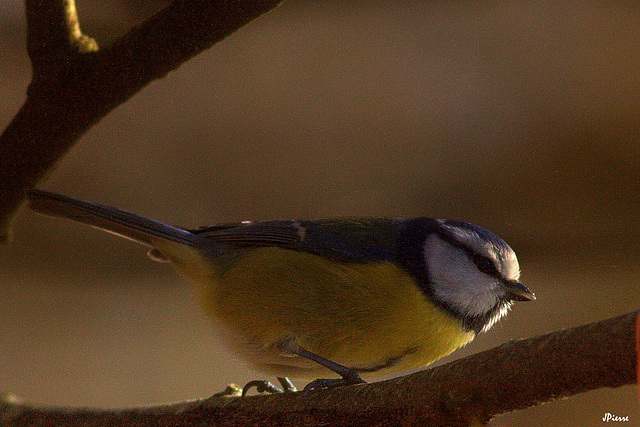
<point x="353" y="297"/>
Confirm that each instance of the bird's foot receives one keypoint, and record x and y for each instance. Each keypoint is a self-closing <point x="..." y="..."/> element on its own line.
<point x="332" y="383"/>
<point x="263" y="386"/>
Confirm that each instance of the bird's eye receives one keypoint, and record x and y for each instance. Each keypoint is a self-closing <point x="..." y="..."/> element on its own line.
<point x="485" y="265"/>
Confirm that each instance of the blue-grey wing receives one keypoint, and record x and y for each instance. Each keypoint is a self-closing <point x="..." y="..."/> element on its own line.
<point x="349" y="240"/>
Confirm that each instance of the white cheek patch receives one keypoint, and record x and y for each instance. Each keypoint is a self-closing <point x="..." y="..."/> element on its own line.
<point x="456" y="281"/>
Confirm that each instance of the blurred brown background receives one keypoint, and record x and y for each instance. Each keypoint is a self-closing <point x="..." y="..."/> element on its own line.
<point x="518" y="116"/>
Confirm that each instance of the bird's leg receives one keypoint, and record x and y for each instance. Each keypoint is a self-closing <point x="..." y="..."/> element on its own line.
<point x="349" y="376"/>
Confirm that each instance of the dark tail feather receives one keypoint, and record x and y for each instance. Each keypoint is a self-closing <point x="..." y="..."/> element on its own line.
<point x="107" y="218"/>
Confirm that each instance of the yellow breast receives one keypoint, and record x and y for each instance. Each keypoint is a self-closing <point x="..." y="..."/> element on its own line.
<point x="370" y="317"/>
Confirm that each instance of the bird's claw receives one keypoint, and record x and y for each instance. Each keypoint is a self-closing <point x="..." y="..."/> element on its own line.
<point x="263" y="386"/>
<point x="320" y="384"/>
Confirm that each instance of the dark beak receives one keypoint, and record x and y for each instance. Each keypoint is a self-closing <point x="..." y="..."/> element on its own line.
<point x="516" y="291"/>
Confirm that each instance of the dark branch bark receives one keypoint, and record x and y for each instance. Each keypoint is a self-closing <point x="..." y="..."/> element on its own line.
<point x="74" y="84"/>
<point x="468" y="391"/>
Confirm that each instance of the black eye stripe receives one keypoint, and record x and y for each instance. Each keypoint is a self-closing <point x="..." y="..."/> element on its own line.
<point x="485" y="265"/>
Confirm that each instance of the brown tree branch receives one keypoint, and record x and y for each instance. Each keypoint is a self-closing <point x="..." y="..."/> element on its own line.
<point x="468" y="391"/>
<point x="74" y="84"/>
